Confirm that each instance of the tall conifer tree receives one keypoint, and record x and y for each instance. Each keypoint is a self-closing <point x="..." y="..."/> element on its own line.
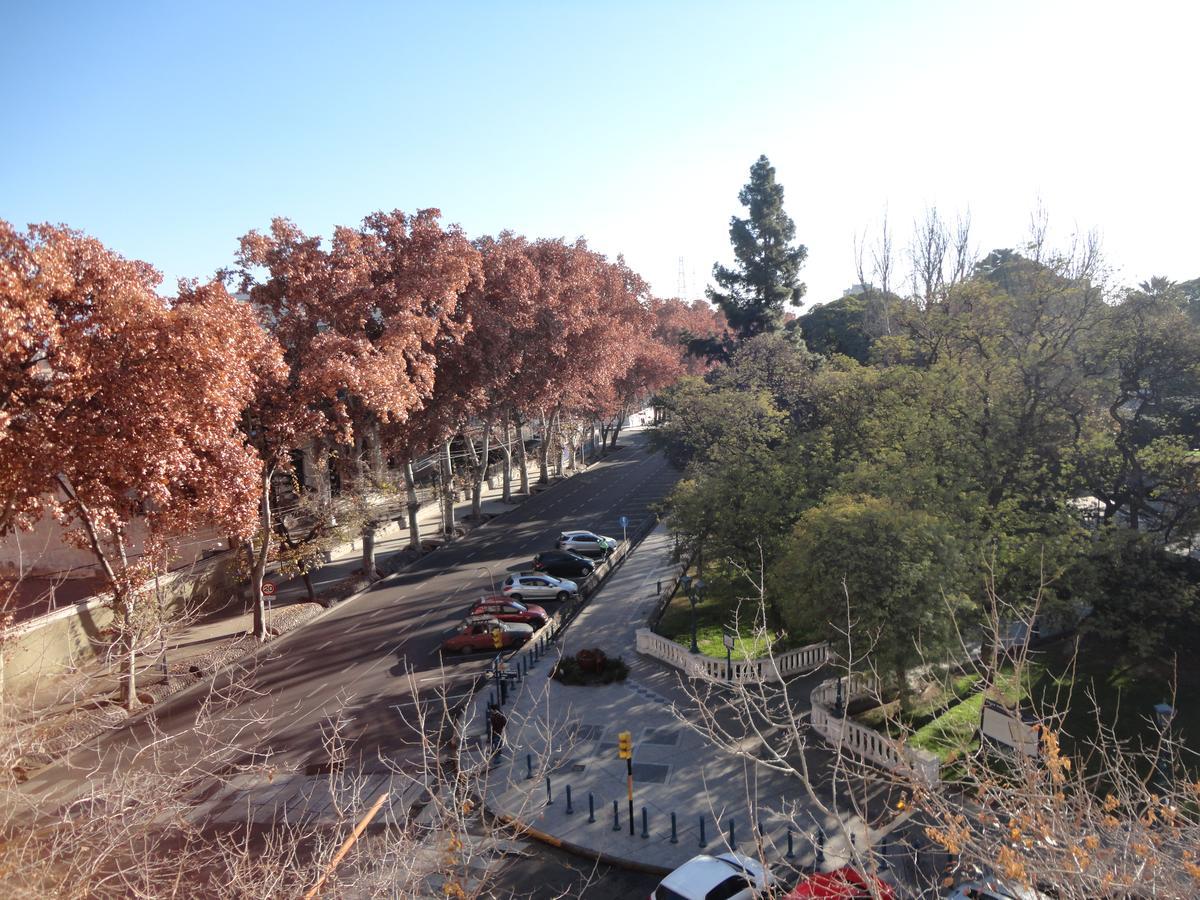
<point x="766" y="274"/>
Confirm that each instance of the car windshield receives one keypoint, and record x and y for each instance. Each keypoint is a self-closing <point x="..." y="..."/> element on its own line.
<point x="662" y="892"/>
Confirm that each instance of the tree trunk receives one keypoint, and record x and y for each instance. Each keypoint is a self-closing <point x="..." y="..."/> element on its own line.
<point x="308" y="585"/>
<point x="481" y="465"/>
<point x="260" y="564"/>
<point x="122" y="592"/>
<point x="414" y="506"/>
<point x="522" y="457"/>
<point x="556" y="427"/>
<point x="544" y="452"/>
<point x="506" y="491"/>
<point x="368" y="551"/>
<point x="616" y="429"/>
<point x="447" y="490"/>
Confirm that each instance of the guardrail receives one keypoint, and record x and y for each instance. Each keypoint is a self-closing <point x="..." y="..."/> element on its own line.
<point x="768" y="669"/>
<point x="861" y="741"/>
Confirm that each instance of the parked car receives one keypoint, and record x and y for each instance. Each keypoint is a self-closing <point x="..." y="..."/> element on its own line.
<point x="845" y="883"/>
<point x="730" y="876"/>
<point x="476" y="633"/>
<point x="993" y="890"/>
<point x="538" y="585"/>
<point x="507" y="609"/>
<point x="564" y="564"/>
<point x="586" y="543"/>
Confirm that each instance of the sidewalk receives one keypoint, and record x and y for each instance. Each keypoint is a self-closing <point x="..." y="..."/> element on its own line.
<point x="569" y="734"/>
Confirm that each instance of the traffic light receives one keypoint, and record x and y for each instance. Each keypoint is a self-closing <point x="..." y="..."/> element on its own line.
<point x="498" y="638"/>
<point x="624" y="745"/>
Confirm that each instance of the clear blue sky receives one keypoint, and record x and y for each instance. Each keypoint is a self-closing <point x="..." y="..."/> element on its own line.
<point x="169" y="129"/>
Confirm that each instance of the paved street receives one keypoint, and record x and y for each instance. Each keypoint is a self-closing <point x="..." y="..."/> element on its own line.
<point x="373" y="661"/>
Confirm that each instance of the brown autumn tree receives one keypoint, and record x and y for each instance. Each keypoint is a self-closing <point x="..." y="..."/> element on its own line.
<point x="361" y="324"/>
<point x="679" y="323"/>
<point x="120" y="409"/>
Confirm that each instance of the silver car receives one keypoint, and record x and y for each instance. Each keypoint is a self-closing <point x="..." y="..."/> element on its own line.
<point x="587" y="543"/>
<point x="538" y="586"/>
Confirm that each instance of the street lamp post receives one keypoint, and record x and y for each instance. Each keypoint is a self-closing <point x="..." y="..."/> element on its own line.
<point x="695" y="594"/>
<point x="1163" y="714"/>
<point x="491" y="577"/>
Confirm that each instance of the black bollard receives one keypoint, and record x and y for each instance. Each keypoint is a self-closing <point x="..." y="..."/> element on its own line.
<point x="674" y="833"/>
<point x="645" y="825"/>
<point x="569" y="808"/>
<point x="732" y="843"/>
<point x="591" y="807"/>
<point x="549" y="796"/>
<point x="528" y="766"/>
<point x="702" y="840"/>
<point x="616" y="817"/>
<point x="820" y="842"/>
<point x="789" y="850"/>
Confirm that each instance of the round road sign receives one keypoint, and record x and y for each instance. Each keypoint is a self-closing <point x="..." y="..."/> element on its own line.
<point x="268" y="588"/>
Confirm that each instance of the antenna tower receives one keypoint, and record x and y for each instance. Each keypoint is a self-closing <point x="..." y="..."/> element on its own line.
<point x="681" y="282"/>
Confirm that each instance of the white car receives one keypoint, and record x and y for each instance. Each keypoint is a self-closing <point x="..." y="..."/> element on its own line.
<point x="538" y="586"/>
<point x="730" y="876"/>
<point x="587" y="543"/>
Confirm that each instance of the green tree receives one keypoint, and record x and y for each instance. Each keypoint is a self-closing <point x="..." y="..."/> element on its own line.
<point x="765" y="278"/>
<point x="702" y="419"/>
<point x="1141" y="596"/>
<point x="887" y="571"/>
<point x="1133" y="454"/>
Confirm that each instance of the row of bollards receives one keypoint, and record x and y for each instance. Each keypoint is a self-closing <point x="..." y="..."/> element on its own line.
<point x="818" y="840"/>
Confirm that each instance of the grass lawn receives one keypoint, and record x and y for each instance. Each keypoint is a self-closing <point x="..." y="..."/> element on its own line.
<point x="944" y="719"/>
<point x="727" y="597"/>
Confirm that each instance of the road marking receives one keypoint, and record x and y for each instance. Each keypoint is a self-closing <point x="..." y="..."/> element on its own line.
<point x="319" y="687"/>
<point x="448" y="699"/>
<point x="324" y="645"/>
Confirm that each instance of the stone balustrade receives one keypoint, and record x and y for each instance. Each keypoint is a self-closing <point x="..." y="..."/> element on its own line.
<point x="752" y="671"/>
<point x="863" y="742"/>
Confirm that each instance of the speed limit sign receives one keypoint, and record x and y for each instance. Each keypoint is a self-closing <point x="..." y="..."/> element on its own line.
<point x="268" y="588"/>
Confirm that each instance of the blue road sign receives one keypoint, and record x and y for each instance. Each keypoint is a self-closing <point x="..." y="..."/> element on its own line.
<point x="624" y="520"/>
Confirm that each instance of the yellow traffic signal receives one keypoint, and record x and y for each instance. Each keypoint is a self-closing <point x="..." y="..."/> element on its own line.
<point x="498" y="637"/>
<point x="624" y="745"/>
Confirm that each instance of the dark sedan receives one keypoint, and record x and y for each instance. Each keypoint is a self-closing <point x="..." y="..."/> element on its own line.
<point x="563" y="564"/>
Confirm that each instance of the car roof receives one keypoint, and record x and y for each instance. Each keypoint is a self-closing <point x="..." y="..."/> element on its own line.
<point x="703" y="872"/>
<point x="577" y="531"/>
<point x="832" y="884"/>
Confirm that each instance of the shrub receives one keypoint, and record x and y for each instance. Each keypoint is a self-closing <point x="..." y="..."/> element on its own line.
<point x="569" y="671"/>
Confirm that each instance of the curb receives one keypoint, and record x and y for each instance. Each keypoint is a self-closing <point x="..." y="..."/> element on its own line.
<point x="608" y="859"/>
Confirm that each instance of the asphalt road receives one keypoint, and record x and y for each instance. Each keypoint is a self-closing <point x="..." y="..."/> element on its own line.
<point x="372" y="664"/>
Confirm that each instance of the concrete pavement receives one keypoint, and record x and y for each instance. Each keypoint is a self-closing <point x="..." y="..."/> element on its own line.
<point x="568" y="734"/>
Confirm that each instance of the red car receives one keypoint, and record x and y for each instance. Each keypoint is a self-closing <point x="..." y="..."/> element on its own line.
<point x="842" y="884"/>
<point x="507" y="610"/>
<point x="478" y="634"/>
